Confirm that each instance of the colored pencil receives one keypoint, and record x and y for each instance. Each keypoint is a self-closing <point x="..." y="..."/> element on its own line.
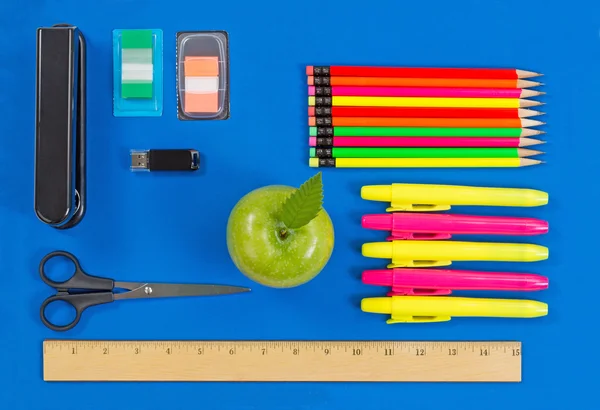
<point x="422" y="102"/>
<point x="420" y="132"/>
<point x="422" y="92"/>
<point x="421" y="82"/>
<point x="422" y="152"/>
<point x="423" y="122"/>
<point x="419" y="72"/>
<point x="422" y="142"/>
<point x="422" y="162"/>
<point x="422" y="112"/>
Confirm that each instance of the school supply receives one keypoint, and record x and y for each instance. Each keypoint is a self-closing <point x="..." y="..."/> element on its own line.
<point x="420" y="72"/>
<point x="437" y="102"/>
<point x="203" y="75"/>
<point x="423" y="122"/>
<point x="82" y="291"/>
<point x="60" y="127"/>
<point x="364" y="103"/>
<point x="421" y="132"/>
<point x="422" y="92"/>
<point x="433" y="282"/>
<point x="421" y="162"/>
<point x="421" y="152"/>
<point x="165" y="160"/>
<point x="421" y="112"/>
<point x="423" y="142"/>
<point x="431" y="197"/>
<point x="419" y="82"/>
<point x="281" y="360"/>
<point x="426" y="253"/>
<point x="137" y="73"/>
<point x="424" y="226"/>
<point x="427" y="309"/>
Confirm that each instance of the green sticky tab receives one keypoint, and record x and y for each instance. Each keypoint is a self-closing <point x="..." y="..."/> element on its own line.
<point x="136" y="39"/>
<point x="136" y="90"/>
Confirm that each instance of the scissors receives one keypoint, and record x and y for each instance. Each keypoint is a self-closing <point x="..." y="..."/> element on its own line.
<point x="82" y="290"/>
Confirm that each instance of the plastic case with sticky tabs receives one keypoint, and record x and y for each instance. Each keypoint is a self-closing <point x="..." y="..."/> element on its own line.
<point x="137" y="73"/>
<point x="203" y="75"/>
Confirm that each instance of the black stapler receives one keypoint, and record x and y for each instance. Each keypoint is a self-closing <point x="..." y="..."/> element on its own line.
<point x="60" y="169"/>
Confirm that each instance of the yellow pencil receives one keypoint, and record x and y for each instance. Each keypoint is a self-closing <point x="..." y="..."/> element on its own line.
<point x="421" y="162"/>
<point x="340" y="101"/>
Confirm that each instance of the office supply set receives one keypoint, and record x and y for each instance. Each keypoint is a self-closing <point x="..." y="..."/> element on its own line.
<point x="421" y="240"/>
<point x="359" y="117"/>
<point x="60" y="149"/>
<point x="394" y="117"/>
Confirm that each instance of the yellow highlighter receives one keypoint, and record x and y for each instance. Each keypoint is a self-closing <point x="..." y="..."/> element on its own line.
<point x="427" y="253"/>
<point x="422" y="197"/>
<point x="423" y="309"/>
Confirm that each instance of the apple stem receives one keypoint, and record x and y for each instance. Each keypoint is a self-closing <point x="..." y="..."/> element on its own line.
<point x="283" y="233"/>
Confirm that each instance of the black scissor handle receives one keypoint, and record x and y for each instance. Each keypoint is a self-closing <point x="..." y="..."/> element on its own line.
<point x="79" y="279"/>
<point x="93" y="290"/>
<point x="80" y="302"/>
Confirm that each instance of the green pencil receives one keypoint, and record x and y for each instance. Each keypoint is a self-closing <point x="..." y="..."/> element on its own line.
<point x="422" y="152"/>
<point x="420" y="132"/>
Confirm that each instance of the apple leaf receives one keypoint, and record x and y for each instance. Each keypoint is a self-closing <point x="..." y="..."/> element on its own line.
<point x="304" y="204"/>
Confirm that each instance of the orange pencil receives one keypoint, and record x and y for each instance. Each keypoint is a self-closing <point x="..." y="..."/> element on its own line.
<point x="423" y="122"/>
<point x="421" y="82"/>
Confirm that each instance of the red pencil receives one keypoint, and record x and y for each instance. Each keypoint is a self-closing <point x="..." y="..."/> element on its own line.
<point x="419" y="72"/>
<point x="428" y="142"/>
<point x="409" y="112"/>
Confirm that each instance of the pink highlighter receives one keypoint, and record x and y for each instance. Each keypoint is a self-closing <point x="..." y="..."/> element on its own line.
<point x="431" y="282"/>
<point x="424" y="226"/>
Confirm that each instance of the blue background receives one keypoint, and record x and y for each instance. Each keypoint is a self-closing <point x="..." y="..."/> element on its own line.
<point x="170" y="227"/>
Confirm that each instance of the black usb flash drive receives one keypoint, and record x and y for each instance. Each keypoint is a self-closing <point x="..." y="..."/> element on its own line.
<point x="165" y="160"/>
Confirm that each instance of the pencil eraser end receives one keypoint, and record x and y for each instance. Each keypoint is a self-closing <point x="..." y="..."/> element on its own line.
<point x="313" y="162"/>
<point x="311" y="101"/>
<point x="311" y="111"/>
<point x="312" y="131"/>
<point x="312" y="141"/>
<point x="311" y="90"/>
<point x="312" y="152"/>
<point x="309" y="70"/>
<point x="311" y="80"/>
<point x="312" y="121"/>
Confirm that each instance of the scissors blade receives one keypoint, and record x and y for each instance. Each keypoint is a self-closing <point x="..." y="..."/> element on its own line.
<point x="165" y="290"/>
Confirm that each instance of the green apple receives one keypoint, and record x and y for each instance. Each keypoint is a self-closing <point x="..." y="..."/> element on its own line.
<point x="267" y="251"/>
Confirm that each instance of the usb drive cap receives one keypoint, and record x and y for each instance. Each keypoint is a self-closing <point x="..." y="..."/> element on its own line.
<point x="165" y="160"/>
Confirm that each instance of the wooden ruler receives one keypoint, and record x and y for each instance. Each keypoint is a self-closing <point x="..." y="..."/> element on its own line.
<point x="334" y="361"/>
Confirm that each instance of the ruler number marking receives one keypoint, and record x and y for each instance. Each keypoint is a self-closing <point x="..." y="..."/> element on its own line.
<point x="421" y="352"/>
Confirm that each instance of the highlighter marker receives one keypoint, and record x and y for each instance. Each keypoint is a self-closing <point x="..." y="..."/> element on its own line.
<point x="418" y="253"/>
<point x="442" y="226"/>
<point x="421" y="197"/>
<point x="423" y="309"/>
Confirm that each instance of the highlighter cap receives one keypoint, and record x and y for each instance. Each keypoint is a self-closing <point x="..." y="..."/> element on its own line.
<point x="377" y="305"/>
<point x="381" y="250"/>
<point x="381" y="193"/>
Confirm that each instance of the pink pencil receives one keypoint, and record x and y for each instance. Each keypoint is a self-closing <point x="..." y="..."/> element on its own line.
<point x="422" y="142"/>
<point x="422" y="92"/>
